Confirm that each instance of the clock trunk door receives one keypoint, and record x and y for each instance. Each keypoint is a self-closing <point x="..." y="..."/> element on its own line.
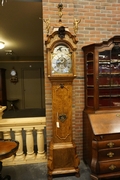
<point x="62" y="113"/>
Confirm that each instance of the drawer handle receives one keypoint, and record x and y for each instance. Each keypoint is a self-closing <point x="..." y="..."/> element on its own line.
<point x="110" y="154"/>
<point x="112" y="167"/>
<point x="110" y="144"/>
<point x="118" y="115"/>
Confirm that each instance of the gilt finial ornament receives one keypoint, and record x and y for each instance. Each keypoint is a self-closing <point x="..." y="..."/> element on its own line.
<point x="75" y="24"/>
<point x="60" y="8"/>
<point x="47" y="22"/>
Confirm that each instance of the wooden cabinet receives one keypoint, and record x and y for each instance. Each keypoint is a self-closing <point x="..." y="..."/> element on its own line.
<point x="3" y="101"/>
<point x="102" y="74"/>
<point x="102" y="96"/>
<point x="105" y="145"/>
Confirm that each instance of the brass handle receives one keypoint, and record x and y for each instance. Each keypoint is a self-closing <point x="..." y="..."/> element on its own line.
<point x="101" y="137"/>
<point x="110" y="144"/>
<point x="118" y="115"/>
<point x="112" y="167"/>
<point x="110" y="154"/>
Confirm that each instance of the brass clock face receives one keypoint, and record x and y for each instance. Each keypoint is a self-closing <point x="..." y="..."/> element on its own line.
<point x="61" y="60"/>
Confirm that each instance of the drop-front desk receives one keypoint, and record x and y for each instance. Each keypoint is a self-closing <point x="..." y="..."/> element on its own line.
<point x="105" y="161"/>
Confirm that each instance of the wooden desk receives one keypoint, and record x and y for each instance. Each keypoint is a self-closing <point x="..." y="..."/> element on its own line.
<point x="7" y="149"/>
<point x="105" y="161"/>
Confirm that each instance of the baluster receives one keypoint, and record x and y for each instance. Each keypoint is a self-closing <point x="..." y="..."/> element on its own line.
<point x="19" y="154"/>
<point x="6" y="135"/>
<point x="40" y="145"/>
<point x="30" y="145"/>
<point x="1" y="135"/>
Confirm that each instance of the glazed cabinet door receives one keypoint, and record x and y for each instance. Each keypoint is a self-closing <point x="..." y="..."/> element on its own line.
<point x="109" y="77"/>
<point x="102" y="75"/>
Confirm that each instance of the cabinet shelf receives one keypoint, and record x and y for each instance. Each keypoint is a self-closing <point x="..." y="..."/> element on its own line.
<point x="110" y="74"/>
<point x="109" y="60"/>
<point x="117" y="95"/>
<point x="105" y="86"/>
<point x="101" y="96"/>
<point x="111" y="86"/>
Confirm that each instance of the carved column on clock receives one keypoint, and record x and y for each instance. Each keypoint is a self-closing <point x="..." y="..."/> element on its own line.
<point x="61" y="47"/>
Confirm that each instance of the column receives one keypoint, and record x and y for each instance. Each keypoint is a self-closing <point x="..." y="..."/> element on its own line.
<point x="19" y="154"/>
<point x="30" y="145"/>
<point x="40" y="145"/>
<point x="6" y="135"/>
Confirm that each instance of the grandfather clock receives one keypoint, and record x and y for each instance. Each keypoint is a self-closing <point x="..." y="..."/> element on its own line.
<point x="61" y="55"/>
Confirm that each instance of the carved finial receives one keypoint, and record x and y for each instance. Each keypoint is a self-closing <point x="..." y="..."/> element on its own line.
<point x="47" y="22"/>
<point x="76" y="22"/>
<point x="60" y="7"/>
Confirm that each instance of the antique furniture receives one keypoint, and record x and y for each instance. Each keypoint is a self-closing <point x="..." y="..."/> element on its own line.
<point x="61" y="55"/>
<point x="12" y="103"/>
<point x="7" y="149"/>
<point x="3" y="101"/>
<point x="102" y="96"/>
<point x="105" y="145"/>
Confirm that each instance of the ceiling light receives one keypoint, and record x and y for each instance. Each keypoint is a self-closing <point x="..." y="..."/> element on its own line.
<point x="2" y="2"/>
<point x="2" y="45"/>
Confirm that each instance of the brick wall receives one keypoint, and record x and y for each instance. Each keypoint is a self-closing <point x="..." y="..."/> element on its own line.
<point x="100" y="20"/>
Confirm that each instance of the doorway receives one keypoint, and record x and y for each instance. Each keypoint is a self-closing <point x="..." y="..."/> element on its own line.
<point x="32" y="88"/>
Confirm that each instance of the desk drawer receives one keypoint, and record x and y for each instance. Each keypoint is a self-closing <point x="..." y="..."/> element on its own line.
<point x="109" y="166"/>
<point x="108" y="144"/>
<point x="108" y="154"/>
<point x="107" y="137"/>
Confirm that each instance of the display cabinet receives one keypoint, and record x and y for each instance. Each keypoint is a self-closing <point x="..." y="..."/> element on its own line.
<point x="102" y="74"/>
<point x="102" y="87"/>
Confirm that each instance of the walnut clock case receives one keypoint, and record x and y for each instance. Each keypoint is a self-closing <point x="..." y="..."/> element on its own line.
<point x="61" y="55"/>
<point x="101" y="116"/>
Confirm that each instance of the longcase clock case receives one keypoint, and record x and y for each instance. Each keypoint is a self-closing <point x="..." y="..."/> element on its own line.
<point x="61" y="72"/>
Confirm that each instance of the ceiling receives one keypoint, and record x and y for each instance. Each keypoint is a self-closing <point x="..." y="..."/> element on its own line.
<point x="21" y="29"/>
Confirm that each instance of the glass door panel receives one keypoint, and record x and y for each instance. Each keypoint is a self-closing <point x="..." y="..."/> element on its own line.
<point x="109" y="77"/>
<point x="90" y="80"/>
<point x="104" y="78"/>
<point x="115" y="75"/>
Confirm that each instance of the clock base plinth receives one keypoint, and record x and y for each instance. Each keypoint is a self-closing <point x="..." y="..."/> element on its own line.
<point x="63" y="159"/>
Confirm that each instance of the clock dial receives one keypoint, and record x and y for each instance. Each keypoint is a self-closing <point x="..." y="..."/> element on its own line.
<point x="61" y="60"/>
<point x="13" y="72"/>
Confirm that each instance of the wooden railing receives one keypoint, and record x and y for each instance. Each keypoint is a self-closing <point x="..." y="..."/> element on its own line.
<point x="30" y="132"/>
